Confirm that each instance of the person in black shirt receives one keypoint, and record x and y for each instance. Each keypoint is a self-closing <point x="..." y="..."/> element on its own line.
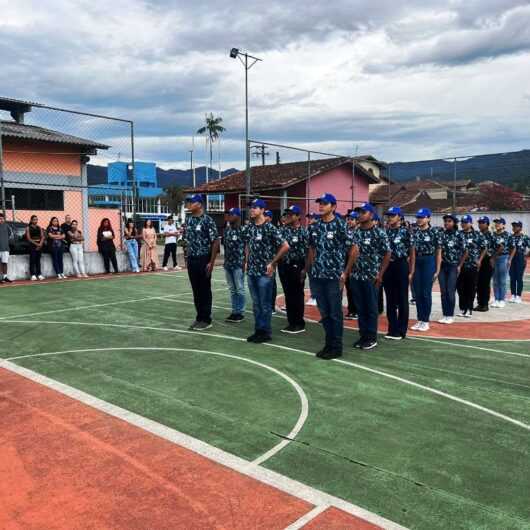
<point x="105" y="241"/>
<point x="66" y="227"/>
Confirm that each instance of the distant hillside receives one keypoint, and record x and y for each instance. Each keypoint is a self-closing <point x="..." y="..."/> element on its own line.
<point x="166" y="177"/>
<point x="504" y="168"/>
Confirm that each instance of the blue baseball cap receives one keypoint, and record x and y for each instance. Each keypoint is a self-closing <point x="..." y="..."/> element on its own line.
<point x="366" y="207"/>
<point x="353" y="215"/>
<point x="501" y="220"/>
<point x="517" y="223"/>
<point x="294" y="209"/>
<point x="484" y="220"/>
<point x="234" y="211"/>
<point x="423" y="212"/>
<point x="327" y="198"/>
<point x="394" y="210"/>
<point x="267" y="213"/>
<point x="195" y="198"/>
<point x="258" y="203"/>
<point x="466" y="219"/>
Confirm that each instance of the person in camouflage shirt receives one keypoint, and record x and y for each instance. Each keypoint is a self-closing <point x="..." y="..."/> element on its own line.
<point x="329" y="243"/>
<point x="485" y="271"/>
<point x="426" y="242"/>
<point x="265" y="247"/>
<point x="234" y="261"/>
<point x="519" y="246"/>
<point x="453" y="256"/>
<point x="291" y="267"/>
<point x="500" y="258"/>
<point x="476" y="248"/>
<point x="202" y="244"/>
<point x="398" y="274"/>
<point x="368" y="263"/>
<point x="351" y="221"/>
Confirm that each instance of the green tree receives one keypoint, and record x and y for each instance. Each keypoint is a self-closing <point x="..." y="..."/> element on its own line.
<point x="214" y="129"/>
<point x="173" y="198"/>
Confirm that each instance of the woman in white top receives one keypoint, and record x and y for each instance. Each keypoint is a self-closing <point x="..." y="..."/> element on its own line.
<point x="76" y="250"/>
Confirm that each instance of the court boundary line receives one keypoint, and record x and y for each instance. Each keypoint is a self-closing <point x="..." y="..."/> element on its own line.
<point x="266" y="476"/>
<point x="308" y="517"/>
<point x="287" y="439"/>
<point x="426" y="388"/>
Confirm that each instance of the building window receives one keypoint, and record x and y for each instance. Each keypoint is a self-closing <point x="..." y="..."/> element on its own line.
<point x="35" y="199"/>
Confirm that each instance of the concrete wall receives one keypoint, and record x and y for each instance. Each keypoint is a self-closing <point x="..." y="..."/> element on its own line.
<point x="18" y="268"/>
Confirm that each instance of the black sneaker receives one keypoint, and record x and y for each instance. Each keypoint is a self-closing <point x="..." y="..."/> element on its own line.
<point x="392" y="336"/>
<point x="238" y="318"/>
<point x="481" y="308"/>
<point x="357" y="345"/>
<point x="7" y="280"/>
<point x="298" y="329"/>
<point x="252" y="337"/>
<point x="351" y="316"/>
<point x="323" y="351"/>
<point x="201" y="326"/>
<point x="234" y="318"/>
<point x="192" y="326"/>
<point x="262" y="337"/>
<point x="230" y="317"/>
<point x="331" y="354"/>
<point x="288" y="329"/>
<point x="368" y="344"/>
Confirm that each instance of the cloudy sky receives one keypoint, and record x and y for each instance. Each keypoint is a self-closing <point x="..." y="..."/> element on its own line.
<point x="400" y="80"/>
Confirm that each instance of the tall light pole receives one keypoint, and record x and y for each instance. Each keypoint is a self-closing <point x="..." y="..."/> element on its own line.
<point x="244" y="58"/>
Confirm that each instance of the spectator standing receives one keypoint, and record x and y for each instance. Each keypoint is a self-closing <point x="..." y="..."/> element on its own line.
<point x="4" y="249"/>
<point x="149" y="249"/>
<point x="500" y="261"/>
<point x="171" y="233"/>
<point x="76" y="249"/>
<point x="36" y="237"/>
<point x="131" y="242"/>
<point x="485" y="271"/>
<point x="520" y="244"/>
<point x="352" y="222"/>
<point x="106" y="247"/>
<point x="56" y="245"/>
<point x="268" y="219"/>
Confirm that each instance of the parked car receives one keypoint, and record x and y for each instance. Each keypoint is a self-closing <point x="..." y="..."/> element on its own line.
<point x="17" y="240"/>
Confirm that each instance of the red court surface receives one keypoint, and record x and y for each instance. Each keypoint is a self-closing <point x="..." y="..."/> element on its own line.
<point x="64" y="465"/>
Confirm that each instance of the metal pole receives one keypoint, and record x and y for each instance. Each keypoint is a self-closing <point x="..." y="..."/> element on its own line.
<point x="2" y="187"/>
<point x="308" y="202"/>
<point x="247" y="147"/>
<point x="353" y="183"/>
<point x="454" y="186"/>
<point x="389" y="183"/>
<point x="133" y="169"/>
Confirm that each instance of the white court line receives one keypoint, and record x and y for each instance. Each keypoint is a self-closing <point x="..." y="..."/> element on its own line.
<point x="304" y="403"/>
<point x="261" y="474"/>
<point x="279" y="346"/>
<point x="308" y="517"/>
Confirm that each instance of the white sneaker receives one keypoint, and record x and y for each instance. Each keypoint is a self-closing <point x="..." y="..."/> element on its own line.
<point x="443" y="320"/>
<point x="462" y="314"/>
<point x="502" y="304"/>
<point x="33" y="278"/>
<point x="512" y="299"/>
<point x="424" y="327"/>
<point x="165" y="268"/>
<point x="416" y="326"/>
<point x="449" y="320"/>
<point x="312" y="301"/>
<point x="468" y="314"/>
<point x="41" y="277"/>
<point x="495" y="304"/>
<point x="518" y="300"/>
<point x="177" y="268"/>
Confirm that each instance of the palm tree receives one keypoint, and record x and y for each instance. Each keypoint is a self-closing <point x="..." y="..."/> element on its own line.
<point x="214" y="129"/>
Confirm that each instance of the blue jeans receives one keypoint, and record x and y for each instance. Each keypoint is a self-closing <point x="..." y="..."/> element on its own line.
<point x="132" y="252"/>
<point x="329" y="301"/>
<point x="260" y="288"/>
<point x="235" y="278"/>
<point x="500" y="273"/>
<point x="366" y="295"/>
<point x="447" y="279"/>
<point x="422" y="281"/>
<point x="57" y="252"/>
<point x="516" y="274"/>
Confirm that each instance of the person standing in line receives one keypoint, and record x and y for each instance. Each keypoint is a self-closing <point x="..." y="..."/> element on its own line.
<point x="351" y="221"/>
<point x="369" y="259"/>
<point x="453" y="257"/>
<point x="476" y="248"/>
<point x="4" y="249"/>
<point x="149" y="249"/>
<point x="105" y="241"/>
<point x="290" y="269"/>
<point x="171" y="233"/>
<point x="65" y="227"/>
<point x="202" y="247"/>
<point x="76" y="249"/>
<point x="265" y="247"/>
<point x="485" y="271"/>
<point x="312" y="218"/>
<point x="329" y="243"/>
<point x="268" y="219"/>
<point x="398" y="275"/>
<point x="428" y="262"/>
<point x="56" y="245"/>
<point x="130" y="235"/>
<point x="36" y="237"/>
<point x="500" y="261"/>
<point x="520" y="244"/>
<point x="234" y="264"/>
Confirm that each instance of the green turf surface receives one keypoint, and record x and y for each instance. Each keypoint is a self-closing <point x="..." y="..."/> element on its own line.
<point x="410" y="455"/>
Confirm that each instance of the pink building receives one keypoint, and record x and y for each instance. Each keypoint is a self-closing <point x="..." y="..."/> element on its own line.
<point x="301" y="183"/>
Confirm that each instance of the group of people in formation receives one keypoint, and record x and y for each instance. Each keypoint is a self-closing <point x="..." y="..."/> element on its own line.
<point x="357" y="252"/>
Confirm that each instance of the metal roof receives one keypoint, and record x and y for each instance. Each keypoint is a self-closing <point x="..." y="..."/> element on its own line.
<point x="33" y="132"/>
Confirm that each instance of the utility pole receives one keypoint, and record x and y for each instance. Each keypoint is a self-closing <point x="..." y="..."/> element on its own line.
<point x="2" y="188"/>
<point x="261" y="152"/>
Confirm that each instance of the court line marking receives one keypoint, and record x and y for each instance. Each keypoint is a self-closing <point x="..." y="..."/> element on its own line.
<point x="259" y="473"/>
<point x="304" y="403"/>
<point x="308" y="517"/>
<point x="429" y="389"/>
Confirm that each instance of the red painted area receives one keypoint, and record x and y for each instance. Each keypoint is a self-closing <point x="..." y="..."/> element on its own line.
<point x="66" y="465"/>
<point x="335" y="519"/>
